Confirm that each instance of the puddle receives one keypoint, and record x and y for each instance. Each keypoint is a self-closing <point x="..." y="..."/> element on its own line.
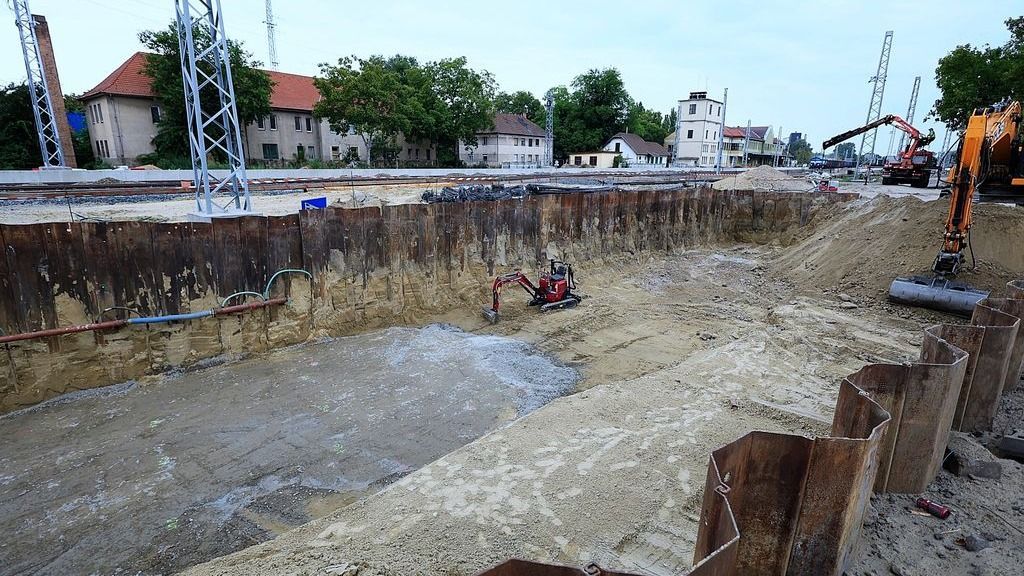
<point x="233" y="454"/>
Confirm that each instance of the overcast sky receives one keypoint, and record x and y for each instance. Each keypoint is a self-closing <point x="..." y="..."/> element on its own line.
<point x="801" y="64"/>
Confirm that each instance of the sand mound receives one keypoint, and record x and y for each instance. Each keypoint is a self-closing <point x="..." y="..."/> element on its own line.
<point x="862" y="246"/>
<point x="763" y="178"/>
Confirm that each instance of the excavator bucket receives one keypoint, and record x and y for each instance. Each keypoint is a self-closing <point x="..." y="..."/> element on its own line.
<point x="491" y="315"/>
<point x="937" y="293"/>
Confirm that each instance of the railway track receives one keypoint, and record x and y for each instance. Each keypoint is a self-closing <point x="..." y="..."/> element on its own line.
<point x="10" y="192"/>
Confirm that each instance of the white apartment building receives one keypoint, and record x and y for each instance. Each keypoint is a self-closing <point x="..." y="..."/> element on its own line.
<point x="695" y="142"/>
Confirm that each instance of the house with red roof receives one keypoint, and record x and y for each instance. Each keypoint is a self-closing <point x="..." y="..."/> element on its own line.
<point x="512" y="141"/>
<point x="122" y="113"/>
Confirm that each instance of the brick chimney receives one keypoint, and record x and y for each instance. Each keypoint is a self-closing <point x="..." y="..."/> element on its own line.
<point x="49" y="64"/>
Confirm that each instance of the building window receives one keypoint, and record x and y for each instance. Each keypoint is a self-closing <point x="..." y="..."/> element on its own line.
<point x="273" y="122"/>
<point x="311" y="152"/>
<point x="300" y="152"/>
<point x="516" y="143"/>
<point x="353" y="152"/>
<point x="417" y="153"/>
<point x="483" y="141"/>
<point x="270" y="152"/>
<point x="409" y="155"/>
<point x="261" y="123"/>
<point x="593" y="160"/>
<point x="335" y="152"/>
<point x="154" y="113"/>
<point x="689" y="134"/>
<point x="618" y="147"/>
<point x="298" y="124"/>
<point x="428" y="153"/>
<point x="577" y="160"/>
<point x="710" y="107"/>
<point x="719" y="113"/>
<point x="693" y="108"/>
<point x="485" y="158"/>
<point x="309" y="124"/>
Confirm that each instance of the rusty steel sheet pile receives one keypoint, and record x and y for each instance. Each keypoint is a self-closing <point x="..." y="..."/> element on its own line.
<point x="781" y="504"/>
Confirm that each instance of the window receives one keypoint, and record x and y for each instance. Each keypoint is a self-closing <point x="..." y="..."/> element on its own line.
<point x="409" y="155"/>
<point x="485" y="158"/>
<point x="689" y="134"/>
<point x="710" y="107"/>
<point x="309" y="124"/>
<point x="417" y="153"/>
<point x="335" y="152"/>
<point x="705" y="134"/>
<point x="593" y="160"/>
<point x="311" y="152"/>
<point x="300" y="152"/>
<point x="298" y="124"/>
<point x="270" y="152"/>
<point x="693" y="108"/>
<point x="577" y="160"/>
<point x="273" y="122"/>
<point x="516" y="142"/>
<point x="719" y="113"/>
<point x="154" y="113"/>
<point x="102" y="149"/>
<point x="483" y="141"/>
<point x="261" y="123"/>
<point x="353" y="152"/>
<point x="618" y="147"/>
<point x="715" y="136"/>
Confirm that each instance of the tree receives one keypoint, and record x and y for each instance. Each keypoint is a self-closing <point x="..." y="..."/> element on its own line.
<point x="369" y="97"/>
<point x="84" y="153"/>
<point x="971" y="78"/>
<point x="801" y="151"/>
<point x="669" y="122"/>
<point x="647" y="124"/>
<point x="846" y="150"/>
<point x="253" y="88"/>
<point x="19" y="144"/>
<point x="463" y="100"/>
<point x="602" y="106"/>
<point x="521" y="102"/>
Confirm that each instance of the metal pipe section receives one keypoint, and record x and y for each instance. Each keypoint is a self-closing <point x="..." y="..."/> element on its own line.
<point x="112" y="324"/>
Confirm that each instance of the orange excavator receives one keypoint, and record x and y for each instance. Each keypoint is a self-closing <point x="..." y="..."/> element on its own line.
<point x="989" y="166"/>
<point x="913" y="166"/>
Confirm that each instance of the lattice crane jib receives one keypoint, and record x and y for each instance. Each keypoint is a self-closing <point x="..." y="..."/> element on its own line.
<point x="42" y="106"/>
<point x="867" y="142"/>
<point x="213" y="133"/>
<point x="549" y="128"/>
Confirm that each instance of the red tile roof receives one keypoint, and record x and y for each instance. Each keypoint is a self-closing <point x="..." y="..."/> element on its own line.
<point x="291" y="91"/>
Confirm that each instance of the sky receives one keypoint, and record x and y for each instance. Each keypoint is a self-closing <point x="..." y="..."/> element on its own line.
<point x="802" y="65"/>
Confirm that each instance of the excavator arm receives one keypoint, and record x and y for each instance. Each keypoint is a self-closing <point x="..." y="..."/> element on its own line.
<point x="988" y="132"/>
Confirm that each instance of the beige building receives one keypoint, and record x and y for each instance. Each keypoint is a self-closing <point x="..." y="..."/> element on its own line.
<point x="123" y="113"/>
<point x="512" y="142"/>
<point x="599" y="159"/>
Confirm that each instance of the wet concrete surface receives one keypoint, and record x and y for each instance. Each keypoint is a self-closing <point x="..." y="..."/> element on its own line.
<point x="160" y="477"/>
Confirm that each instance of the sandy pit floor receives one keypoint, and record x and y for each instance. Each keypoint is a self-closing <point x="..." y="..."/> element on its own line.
<point x="155" y="478"/>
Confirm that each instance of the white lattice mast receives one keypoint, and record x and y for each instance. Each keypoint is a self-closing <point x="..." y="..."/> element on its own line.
<point x="272" y="36"/>
<point x="911" y="109"/>
<point x="867" y="142"/>
<point x="549" y="128"/>
<point x="38" y="89"/>
<point x="207" y="69"/>
<point x="721" y="133"/>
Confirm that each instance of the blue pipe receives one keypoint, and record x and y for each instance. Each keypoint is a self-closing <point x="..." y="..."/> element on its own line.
<point x="171" y="318"/>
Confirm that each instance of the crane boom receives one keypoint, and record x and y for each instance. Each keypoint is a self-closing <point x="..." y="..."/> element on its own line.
<point x="883" y="121"/>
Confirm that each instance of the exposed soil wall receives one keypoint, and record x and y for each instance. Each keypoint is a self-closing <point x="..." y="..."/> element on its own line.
<point x="371" y="267"/>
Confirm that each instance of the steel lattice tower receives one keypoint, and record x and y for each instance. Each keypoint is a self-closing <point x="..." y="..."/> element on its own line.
<point x="39" y="92"/>
<point x="911" y="109"/>
<point x="867" y="142"/>
<point x="207" y="69"/>
<point x="272" y="36"/>
<point x="549" y="128"/>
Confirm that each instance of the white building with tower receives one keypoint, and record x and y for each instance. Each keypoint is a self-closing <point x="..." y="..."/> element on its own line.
<point x="699" y="125"/>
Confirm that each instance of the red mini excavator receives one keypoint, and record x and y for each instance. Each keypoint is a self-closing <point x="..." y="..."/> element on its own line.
<point x="555" y="290"/>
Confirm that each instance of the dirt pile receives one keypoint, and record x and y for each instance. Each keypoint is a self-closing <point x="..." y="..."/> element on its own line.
<point x="763" y="178"/>
<point x="861" y="246"/>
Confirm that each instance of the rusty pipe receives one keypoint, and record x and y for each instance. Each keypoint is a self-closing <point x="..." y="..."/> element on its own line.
<point x="249" y="306"/>
<point x="109" y="325"/>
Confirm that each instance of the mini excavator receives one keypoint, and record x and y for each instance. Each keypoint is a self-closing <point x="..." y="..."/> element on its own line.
<point x="989" y="166"/>
<point x="554" y="290"/>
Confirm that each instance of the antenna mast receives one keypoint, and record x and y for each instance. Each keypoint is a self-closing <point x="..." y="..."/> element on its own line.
<point x="549" y="132"/>
<point x="867" y="142"/>
<point x="272" y="36"/>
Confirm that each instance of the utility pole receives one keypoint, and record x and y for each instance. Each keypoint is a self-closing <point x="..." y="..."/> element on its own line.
<point x="549" y="128"/>
<point x="867" y="142"/>
<point x="746" y="145"/>
<point x="678" y="138"/>
<point x="47" y="122"/>
<point x="911" y="109"/>
<point x="215" y="132"/>
<point x="272" y="36"/>
<point x="721" y="133"/>
<point x="778" y="144"/>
